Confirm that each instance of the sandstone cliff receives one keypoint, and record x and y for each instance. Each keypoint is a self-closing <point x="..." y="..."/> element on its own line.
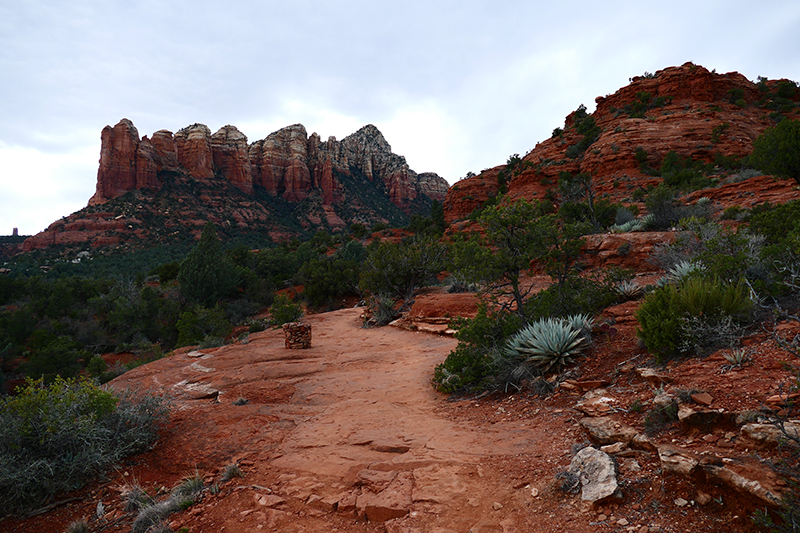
<point x="687" y="109"/>
<point x="155" y="191"/>
<point x="287" y="163"/>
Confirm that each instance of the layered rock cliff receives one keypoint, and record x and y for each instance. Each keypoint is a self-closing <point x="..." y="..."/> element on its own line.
<point x="156" y="190"/>
<point x="287" y="163"/>
<point x="696" y="113"/>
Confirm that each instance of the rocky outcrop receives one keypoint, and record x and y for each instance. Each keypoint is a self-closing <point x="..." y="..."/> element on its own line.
<point x="126" y="163"/>
<point x="287" y="163"/>
<point x="469" y="194"/>
<point x="193" y="146"/>
<point x="687" y="109"/>
<point x="185" y="179"/>
<point x="231" y="157"/>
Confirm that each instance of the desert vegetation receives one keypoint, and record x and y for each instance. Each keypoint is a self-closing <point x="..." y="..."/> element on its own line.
<point x="54" y="438"/>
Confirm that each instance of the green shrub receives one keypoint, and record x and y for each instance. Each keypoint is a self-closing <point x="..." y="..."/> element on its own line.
<point x="55" y="438"/>
<point x="207" y="275"/>
<point x="200" y="323"/>
<point x="284" y="310"/>
<point x="777" y="150"/>
<point x="664" y="313"/>
<point x="466" y="367"/>
<point x="660" y="418"/>
<point x="471" y="364"/>
<point x="775" y="222"/>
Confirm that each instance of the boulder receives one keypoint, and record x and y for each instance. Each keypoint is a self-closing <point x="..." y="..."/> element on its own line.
<point x="597" y="472"/>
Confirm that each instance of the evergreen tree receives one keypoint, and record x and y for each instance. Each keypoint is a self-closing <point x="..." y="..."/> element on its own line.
<point x="777" y="150"/>
<point x="207" y="274"/>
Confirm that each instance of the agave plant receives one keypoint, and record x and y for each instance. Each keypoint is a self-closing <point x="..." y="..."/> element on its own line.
<point x="678" y="272"/>
<point x="581" y="322"/>
<point x="738" y="357"/>
<point x="629" y="290"/>
<point x="637" y="224"/>
<point x="549" y="343"/>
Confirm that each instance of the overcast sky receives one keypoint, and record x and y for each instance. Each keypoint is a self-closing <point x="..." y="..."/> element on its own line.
<point x="455" y="86"/>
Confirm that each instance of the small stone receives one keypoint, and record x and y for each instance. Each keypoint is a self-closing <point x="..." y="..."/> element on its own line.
<point x="680" y="502"/>
<point x="614" y="448"/>
<point x="497" y="506"/>
<point x="703" y="398"/>
<point x="622" y="522"/>
<point x="534" y="492"/>
<point x="702" y="498"/>
<point x="601" y="518"/>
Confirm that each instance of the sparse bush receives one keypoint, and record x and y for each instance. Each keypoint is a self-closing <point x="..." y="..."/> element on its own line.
<point x="734" y="212"/>
<point x="660" y="418"/>
<point x="190" y="487"/>
<point x="152" y="517"/>
<point x="135" y="498"/>
<point x="55" y="438"/>
<point x="381" y="311"/>
<point x="231" y="471"/>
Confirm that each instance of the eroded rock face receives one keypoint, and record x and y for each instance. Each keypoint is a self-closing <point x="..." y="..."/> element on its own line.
<point x="287" y="163"/>
<point x="193" y="146"/>
<point x="230" y="156"/>
<point x="126" y="162"/>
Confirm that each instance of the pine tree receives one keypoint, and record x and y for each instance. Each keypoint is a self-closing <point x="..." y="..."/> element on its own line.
<point x="207" y="274"/>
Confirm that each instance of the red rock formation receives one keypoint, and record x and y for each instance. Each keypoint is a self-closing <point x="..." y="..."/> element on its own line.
<point x="702" y="114"/>
<point x="230" y="155"/>
<point x="126" y="163"/>
<point x="287" y="163"/>
<point x="193" y="146"/>
<point x="432" y="186"/>
<point x="280" y="160"/>
<point x="469" y="194"/>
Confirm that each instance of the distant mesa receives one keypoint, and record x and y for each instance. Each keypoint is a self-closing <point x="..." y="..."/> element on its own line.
<point x="287" y="163"/>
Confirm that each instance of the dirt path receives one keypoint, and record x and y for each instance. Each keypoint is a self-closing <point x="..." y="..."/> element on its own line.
<point x="349" y="435"/>
<point x="346" y="435"/>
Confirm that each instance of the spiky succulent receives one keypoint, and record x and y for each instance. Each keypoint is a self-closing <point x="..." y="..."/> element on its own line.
<point x="629" y="290"/>
<point x="738" y="357"/>
<point x="637" y="224"/>
<point x="678" y="272"/>
<point x="549" y="343"/>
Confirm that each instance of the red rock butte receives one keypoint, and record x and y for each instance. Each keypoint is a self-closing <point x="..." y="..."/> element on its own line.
<point x="287" y="163"/>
